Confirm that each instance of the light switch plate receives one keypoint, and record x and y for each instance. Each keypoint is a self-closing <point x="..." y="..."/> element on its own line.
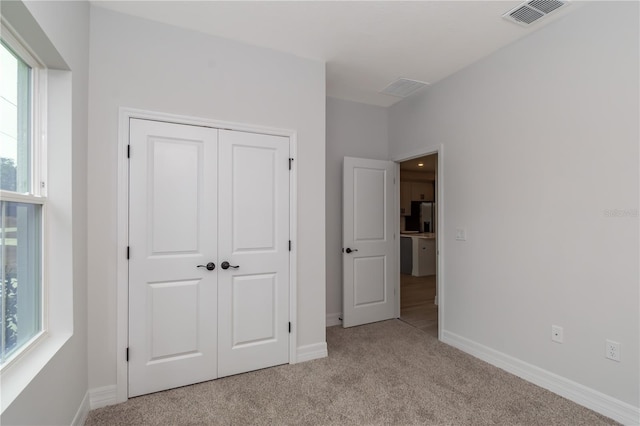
<point x="461" y="234"/>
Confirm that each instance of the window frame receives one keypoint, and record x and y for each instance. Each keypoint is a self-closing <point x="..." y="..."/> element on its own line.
<point x="37" y="194"/>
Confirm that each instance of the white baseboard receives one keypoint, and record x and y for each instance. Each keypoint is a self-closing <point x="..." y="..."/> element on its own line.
<point x="618" y="410"/>
<point x="83" y="411"/>
<point x="309" y="352"/>
<point x="101" y="397"/>
<point x="334" y="319"/>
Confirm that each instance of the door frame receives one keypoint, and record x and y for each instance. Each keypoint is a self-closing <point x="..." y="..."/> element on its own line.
<point x="439" y="198"/>
<point x="122" y="267"/>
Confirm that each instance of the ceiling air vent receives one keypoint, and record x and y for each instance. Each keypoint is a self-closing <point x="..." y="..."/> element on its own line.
<point x="403" y="87"/>
<point x="531" y="11"/>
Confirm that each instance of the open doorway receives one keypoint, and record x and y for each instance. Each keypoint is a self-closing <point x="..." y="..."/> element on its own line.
<point x="418" y="243"/>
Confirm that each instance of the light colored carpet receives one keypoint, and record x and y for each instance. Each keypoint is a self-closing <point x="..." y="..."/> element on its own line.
<point x="384" y="373"/>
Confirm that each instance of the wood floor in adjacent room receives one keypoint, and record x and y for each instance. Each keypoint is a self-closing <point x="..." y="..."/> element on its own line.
<point x="417" y="295"/>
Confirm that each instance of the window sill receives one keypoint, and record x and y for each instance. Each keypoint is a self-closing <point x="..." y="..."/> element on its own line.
<point x="17" y="375"/>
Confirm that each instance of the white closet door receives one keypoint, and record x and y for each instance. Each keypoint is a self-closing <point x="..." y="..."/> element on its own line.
<point x="173" y="229"/>
<point x="253" y="304"/>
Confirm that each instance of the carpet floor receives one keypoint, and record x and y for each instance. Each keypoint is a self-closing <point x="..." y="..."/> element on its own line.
<point x="384" y="373"/>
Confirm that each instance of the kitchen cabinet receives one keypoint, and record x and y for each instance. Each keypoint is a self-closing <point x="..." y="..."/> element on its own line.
<point x="426" y="257"/>
<point x="418" y="254"/>
<point x="414" y="191"/>
<point x="405" y="198"/>
<point x="421" y="191"/>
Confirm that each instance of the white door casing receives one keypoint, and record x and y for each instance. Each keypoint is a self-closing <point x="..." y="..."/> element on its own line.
<point x="173" y="221"/>
<point x="253" y="235"/>
<point x="369" y="250"/>
<point x="200" y="195"/>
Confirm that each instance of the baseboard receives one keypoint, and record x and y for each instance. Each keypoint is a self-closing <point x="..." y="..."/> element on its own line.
<point x="334" y="319"/>
<point x="101" y="397"/>
<point x="608" y="406"/>
<point x="83" y="411"/>
<point x="309" y="352"/>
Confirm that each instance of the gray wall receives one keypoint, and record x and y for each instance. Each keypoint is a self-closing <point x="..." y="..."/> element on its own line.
<point x="141" y="64"/>
<point x="353" y="130"/>
<point x="56" y="393"/>
<point x="540" y="143"/>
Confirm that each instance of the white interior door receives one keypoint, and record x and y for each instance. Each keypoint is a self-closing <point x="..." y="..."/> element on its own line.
<point x="369" y="262"/>
<point x="173" y="229"/>
<point x="254" y="239"/>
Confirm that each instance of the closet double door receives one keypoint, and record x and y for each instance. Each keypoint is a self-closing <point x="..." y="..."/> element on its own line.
<point x="208" y="254"/>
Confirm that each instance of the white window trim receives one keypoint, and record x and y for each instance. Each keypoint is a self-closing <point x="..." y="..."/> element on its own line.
<point x="54" y="92"/>
<point x="39" y="107"/>
<point x="37" y="194"/>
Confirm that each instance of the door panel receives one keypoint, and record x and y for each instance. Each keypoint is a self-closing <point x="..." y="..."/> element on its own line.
<point x="369" y="280"/>
<point x="369" y="207"/>
<point x="175" y="334"/>
<point x="174" y="176"/>
<point x="368" y="220"/>
<point x="253" y="197"/>
<point x="173" y="228"/>
<point x="254" y="298"/>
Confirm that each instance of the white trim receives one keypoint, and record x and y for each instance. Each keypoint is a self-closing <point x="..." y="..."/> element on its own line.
<point x="58" y="275"/>
<point x="22" y="198"/>
<point x="18" y="45"/>
<point x="122" y="267"/>
<point x="38" y="109"/>
<point x="125" y="114"/>
<point x="440" y="286"/>
<point x="83" y="411"/>
<point x="334" y="319"/>
<point x="580" y="394"/>
<point x="311" y="352"/>
<point x="103" y="396"/>
<point x="293" y="255"/>
<point x="397" y="219"/>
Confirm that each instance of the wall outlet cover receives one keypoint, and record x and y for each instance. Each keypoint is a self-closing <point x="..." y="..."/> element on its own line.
<point x="612" y="350"/>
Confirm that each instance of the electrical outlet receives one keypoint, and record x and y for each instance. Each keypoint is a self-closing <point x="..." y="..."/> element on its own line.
<point x="612" y="350"/>
<point x="557" y="334"/>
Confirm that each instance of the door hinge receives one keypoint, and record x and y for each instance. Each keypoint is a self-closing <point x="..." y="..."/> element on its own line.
<point x="127" y="252"/>
<point x="289" y="245"/>
<point x="127" y="355"/>
<point x="290" y="163"/>
<point x="289" y="327"/>
<point x="128" y="151"/>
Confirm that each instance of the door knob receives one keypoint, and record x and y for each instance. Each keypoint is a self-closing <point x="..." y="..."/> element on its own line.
<point x="348" y="250"/>
<point x="226" y="265"/>
<point x="210" y="266"/>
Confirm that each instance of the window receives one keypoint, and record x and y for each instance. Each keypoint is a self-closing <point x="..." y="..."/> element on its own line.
<point x="22" y="201"/>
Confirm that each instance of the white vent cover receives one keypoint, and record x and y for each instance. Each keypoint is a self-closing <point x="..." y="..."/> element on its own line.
<point x="403" y="87"/>
<point x="529" y="12"/>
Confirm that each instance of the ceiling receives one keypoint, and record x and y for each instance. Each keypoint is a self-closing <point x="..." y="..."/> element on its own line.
<point x="428" y="162"/>
<point x="365" y="44"/>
